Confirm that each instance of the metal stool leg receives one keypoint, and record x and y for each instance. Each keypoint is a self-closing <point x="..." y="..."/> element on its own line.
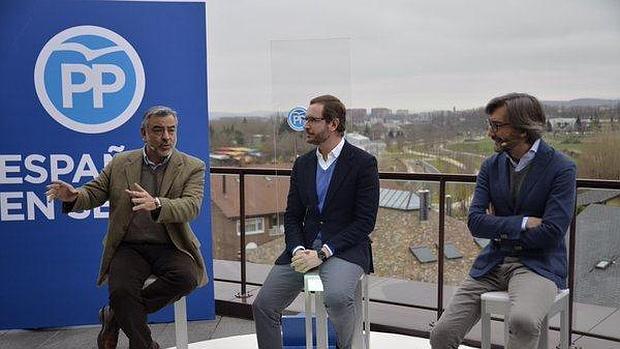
<point x="180" y="323"/>
<point x="506" y="331"/>
<point x="543" y="340"/>
<point x="485" y="322"/>
<point x="564" y="336"/>
<point x="321" y="321"/>
<point x="308" y="312"/>
<point x="366" y="300"/>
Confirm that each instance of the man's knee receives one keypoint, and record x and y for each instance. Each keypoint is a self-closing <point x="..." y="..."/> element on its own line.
<point x="442" y="337"/>
<point x="264" y="308"/>
<point x="184" y="280"/>
<point x="339" y="299"/>
<point x="122" y="293"/>
<point x="523" y="323"/>
<point x="259" y="303"/>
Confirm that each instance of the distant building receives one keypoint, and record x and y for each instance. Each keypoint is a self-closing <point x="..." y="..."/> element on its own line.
<point x="380" y="112"/>
<point x="568" y="124"/>
<point x="375" y="148"/>
<point x="257" y="140"/>
<point x="358" y="140"/>
<point x="237" y="155"/>
<point x="357" y="115"/>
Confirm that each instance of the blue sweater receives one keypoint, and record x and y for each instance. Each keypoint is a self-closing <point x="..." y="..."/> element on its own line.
<point x="323" y="178"/>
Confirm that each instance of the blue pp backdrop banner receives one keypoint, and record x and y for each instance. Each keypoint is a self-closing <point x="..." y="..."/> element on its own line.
<point x="75" y="79"/>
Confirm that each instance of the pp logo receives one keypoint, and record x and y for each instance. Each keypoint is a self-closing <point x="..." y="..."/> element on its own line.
<point x="296" y="118"/>
<point x="89" y="79"/>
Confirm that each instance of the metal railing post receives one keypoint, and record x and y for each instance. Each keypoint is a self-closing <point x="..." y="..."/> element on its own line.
<point x="243" y="294"/>
<point x="440" y="253"/>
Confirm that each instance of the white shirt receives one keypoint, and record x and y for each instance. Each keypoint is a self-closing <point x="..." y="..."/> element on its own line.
<point x="526" y="158"/>
<point x="331" y="156"/>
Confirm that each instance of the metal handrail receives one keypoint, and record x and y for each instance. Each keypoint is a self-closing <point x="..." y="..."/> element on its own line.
<point x="442" y="179"/>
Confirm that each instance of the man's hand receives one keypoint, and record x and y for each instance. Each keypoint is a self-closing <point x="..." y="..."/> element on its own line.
<point x="533" y="222"/>
<point x="305" y="260"/>
<point x="61" y="190"/>
<point x="141" y="199"/>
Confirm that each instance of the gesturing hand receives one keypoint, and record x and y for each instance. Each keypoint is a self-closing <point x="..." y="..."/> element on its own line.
<point x="62" y="191"/>
<point x="141" y="199"/>
<point x="305" y="260"/>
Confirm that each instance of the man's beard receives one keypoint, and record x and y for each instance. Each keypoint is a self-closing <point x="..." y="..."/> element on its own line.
<point x="504" y="144"/>
<point x="317" y="138"/>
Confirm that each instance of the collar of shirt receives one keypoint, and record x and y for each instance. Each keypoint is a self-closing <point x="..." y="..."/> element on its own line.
<point x="331" y="157"/>
<point x="526" y="158"/>
<point x="150" y="163"/>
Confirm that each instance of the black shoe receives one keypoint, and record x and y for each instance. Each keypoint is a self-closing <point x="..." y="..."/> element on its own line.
<point x="108" y="336"/>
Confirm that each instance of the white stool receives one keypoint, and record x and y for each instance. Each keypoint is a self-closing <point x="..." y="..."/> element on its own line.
<point x="499" y="303"/>
<point x="314" y="285"/>
<point x="180" y="317"/>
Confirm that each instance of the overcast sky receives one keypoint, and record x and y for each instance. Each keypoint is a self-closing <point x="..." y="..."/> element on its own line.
<point x="410" y="54"/>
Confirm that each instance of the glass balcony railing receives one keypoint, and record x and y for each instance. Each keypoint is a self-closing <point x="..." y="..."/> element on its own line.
<point x="421" y="245"/>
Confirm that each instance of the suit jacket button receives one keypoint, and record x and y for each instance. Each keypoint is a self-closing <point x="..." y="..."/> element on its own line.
<point x="504" y="236"/>
<point x="518" y="248"/>
<point x="321" y="222"/>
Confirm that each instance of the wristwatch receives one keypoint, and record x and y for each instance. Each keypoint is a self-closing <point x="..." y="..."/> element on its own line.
<point x="321" y="254"/>
<point x="157" y="203"/>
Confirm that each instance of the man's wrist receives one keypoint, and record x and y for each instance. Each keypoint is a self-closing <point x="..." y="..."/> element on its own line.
<point x="524" y="224"/>
<point x="298" y="248"/>
<point x="157" y="203"/>
<point x="328" y="250"/>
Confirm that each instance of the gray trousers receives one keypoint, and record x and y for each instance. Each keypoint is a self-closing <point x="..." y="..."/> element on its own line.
<point x="283" y="284"/>
<point x="531" y="297"/>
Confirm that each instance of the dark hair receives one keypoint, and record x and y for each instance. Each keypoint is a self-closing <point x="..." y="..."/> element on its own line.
<point x="333" y="108"/>
<point x="525" y="113"/>
<point x="158" y="110"/>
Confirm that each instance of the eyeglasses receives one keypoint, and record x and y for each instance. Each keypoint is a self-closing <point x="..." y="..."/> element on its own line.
<point x="495" y="126"/>
<point x="310" y="119"/>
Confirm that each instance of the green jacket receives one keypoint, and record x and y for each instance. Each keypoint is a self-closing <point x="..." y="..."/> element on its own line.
<point x="181" y="194"/>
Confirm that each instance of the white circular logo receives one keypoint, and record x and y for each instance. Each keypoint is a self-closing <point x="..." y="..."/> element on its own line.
<point x="296" y="117"/>
<point x="89" y="79"/>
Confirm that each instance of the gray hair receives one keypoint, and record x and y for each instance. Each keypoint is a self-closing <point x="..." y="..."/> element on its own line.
<point x="525" y="113"/>
<point x="158" y="110"/>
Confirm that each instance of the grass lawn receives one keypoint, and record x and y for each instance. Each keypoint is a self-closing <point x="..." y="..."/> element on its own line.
<point x="482" y="147"/>
<point x="569" y="144"/>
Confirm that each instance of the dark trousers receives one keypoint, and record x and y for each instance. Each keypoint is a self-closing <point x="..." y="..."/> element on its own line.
<point x="131" y="265"/>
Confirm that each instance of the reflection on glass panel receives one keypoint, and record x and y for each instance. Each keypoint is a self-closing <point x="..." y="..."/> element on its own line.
<point x="405" y="239"/>
<point x="300" y="71"/>
<point x="224" y="216"/>
<point x="265" y="202"/>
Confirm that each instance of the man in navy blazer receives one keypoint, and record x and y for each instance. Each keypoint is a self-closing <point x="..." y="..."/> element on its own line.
<point x="523" y="202"/>
<point x="331" y="209"/>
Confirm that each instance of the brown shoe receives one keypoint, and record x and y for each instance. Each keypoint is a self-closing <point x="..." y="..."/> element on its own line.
<point x="108" y="336"/>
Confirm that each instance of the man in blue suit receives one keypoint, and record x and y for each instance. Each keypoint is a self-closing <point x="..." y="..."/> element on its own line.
<point x="523" y="202"/>
<point x="331" y="209"/>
